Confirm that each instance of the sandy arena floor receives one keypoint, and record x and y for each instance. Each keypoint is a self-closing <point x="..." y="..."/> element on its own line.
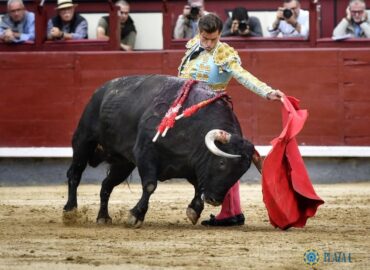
<point x="33" y="236"/>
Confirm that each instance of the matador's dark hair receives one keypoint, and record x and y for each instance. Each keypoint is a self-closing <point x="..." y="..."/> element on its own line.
<point x="210" y="23"/>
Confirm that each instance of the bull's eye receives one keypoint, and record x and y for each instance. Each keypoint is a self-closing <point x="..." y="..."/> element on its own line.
<point x="222" y="164"/>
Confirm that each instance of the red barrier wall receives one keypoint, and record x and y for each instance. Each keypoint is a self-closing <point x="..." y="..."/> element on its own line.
<point x="43" y="93"/>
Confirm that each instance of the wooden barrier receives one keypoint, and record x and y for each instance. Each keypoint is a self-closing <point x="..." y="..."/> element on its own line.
<point x="45" y="85"/>
<point x="44" y="93"/>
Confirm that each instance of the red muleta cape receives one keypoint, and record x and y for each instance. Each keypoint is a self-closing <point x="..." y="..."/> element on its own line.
<point x="287" y="190"/>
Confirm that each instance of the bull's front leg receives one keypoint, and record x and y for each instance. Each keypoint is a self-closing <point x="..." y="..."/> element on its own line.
<point x="195" y="208"/>
<point x="137" y="214"/>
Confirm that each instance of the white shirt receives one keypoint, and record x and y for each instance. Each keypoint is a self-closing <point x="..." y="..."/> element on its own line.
<point x="287" y="30"/>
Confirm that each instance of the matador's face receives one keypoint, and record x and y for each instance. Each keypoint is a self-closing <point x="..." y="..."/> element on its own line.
<point x="209" y="40"/>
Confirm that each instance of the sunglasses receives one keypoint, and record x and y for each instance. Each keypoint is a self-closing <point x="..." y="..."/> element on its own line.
<point x="357" y="11"/>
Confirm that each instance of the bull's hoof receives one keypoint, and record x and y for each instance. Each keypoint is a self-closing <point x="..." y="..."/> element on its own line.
<point x="69" y="207"/>
<point x="70" y="217"/>
<point x="104" y="221"/>
<point x="133" y="221"/>
<point x="192" y="215"/>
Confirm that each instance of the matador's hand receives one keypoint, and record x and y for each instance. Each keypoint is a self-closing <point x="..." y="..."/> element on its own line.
<point x="275" y="95"/>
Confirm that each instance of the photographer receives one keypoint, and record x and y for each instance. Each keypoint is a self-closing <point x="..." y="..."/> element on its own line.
<point x="291" y="21"/>
<point x="356" y="23"/>
<point x="240" y="24"/>
<point x="187" y="22"/>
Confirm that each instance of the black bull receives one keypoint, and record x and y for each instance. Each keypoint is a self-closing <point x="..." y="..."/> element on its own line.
<point x="118" y="126"/>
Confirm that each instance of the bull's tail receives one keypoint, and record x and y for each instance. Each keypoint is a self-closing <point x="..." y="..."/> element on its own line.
<point x="257" y="160"/>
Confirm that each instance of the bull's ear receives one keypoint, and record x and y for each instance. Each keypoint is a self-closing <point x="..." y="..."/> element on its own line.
<point x="236" y="140"/>
<point x="242" y="146"/>
<point x="248" y="149"/>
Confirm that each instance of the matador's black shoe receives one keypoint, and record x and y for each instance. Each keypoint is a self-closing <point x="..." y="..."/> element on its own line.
<point x="237" y="220"/>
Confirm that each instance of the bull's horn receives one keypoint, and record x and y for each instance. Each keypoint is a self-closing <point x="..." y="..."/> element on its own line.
<point x="221" y="136"/>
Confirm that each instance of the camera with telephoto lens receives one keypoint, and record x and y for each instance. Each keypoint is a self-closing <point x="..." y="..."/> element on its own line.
<point x="242" y="26"/>
<point x="194" y="12"/>
<point x="287" y="13"/>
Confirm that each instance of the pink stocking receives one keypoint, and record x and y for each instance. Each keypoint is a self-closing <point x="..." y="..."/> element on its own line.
<point x="231" y="204"/>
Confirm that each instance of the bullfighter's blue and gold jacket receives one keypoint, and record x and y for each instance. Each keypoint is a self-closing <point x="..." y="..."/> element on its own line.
<point x="217" y="67"/>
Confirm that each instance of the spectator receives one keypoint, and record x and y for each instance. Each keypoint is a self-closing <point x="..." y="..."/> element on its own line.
<point x="18" y="25"/>
<point x="240" y="24"/>
<point x="356" y="23"/>
<point x="291" y="21"/>
<point x="67" y="24"/>
<point x="128" y="30"/>
<point x="215" y="63"/>
<point x="187" y="23"/>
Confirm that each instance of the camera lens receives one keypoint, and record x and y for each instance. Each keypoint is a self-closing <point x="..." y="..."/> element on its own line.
<point x="287" y="13"/>
<point x="242" y="26"/>
<point x="194" y="11"/>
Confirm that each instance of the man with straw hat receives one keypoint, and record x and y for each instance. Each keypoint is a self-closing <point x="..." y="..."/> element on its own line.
<point x="67" y="24"/>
